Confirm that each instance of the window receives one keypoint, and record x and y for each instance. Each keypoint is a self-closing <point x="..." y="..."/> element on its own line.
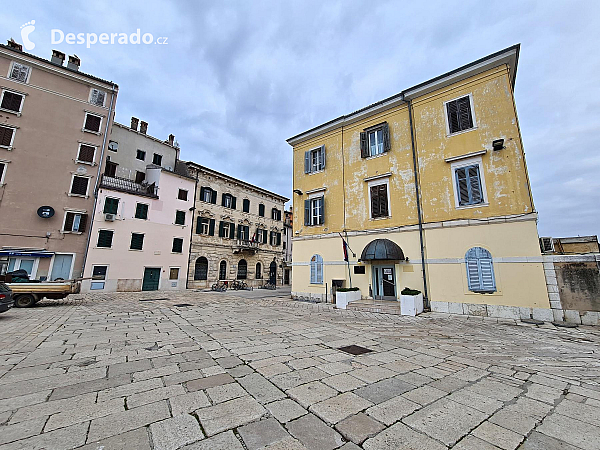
<point x="375" y="140"/>
<point x="79" y="185"/>
<point x="314" y="160"/>
<point x="275" y="238"/>
<point x="261" y="210"/>
<point x="226" y="230"/>
<point x="246" y="205"/>
<point x="92" y="123"/>
<point x="137" y="241"/>
<point x="228" y="201"/>
<point x="223" y="270"/>
<point x="379" y="201"/>
<point x="459" y="114"/>
<point x="208" y="195"/>
<point x="105" y="238"/>
<point x="86" y="153"/>
<point x="2" y="172"/>
<point x="182" y="194"/>
<point x="111" y="205"/>
<point x="201" y="269"/>
<point x="243" y="232"/>
<point x="19" y="72"/>
<point x="180" y="218"/>
<point x="6" y="136"/>
<point x="98" y="277"/>
<point x="314" y="211"/>
<point x="480" y="270"/>
<point x="75" y="222"/>
<point x="316" y="269"/>
<point x="157" y="159"/>
<point x="11" y="101"/>
<point x="141" y="155"/>
<point x="97" y="97"/>
<point x="258" y="271"/>
<point x="110" y="169"/>
<point x="139" y="176"/>
<point x="141" y="211"/>
<point x="177" y="245"/>
<point x="275" y="214"/>
<point x="174" y="273"/>
<point x="468" y="185"/>
<point x="205" y="226"/>
<point x="242" y="270"/>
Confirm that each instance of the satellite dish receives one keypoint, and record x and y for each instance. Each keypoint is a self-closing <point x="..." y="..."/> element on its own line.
<point x="45" y="212"/>
<point x="81" y="170"/>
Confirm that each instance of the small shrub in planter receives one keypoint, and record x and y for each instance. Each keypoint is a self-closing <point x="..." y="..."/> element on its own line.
<point x="409" y="291"/>
<point x="346" y="295"/>
<point x="411" y="302"/>
<point x="352" y="289"/>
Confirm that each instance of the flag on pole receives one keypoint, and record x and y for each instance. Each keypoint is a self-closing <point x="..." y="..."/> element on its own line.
<point x="345" y="245"/>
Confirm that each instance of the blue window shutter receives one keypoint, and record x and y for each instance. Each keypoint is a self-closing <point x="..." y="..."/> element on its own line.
<point x="307" y="164"/>
<point x="313" y="270"/>
<point x="319" y="269"/>
<point x="486" y="271"/>
<point x="480" y="270"/>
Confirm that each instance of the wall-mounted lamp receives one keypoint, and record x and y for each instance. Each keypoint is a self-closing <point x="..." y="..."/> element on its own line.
<point x="298" y="191"/>
<point x="498" y="144"/>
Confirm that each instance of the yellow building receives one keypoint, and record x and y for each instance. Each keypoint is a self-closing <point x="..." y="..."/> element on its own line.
<point x="430" y="190"/>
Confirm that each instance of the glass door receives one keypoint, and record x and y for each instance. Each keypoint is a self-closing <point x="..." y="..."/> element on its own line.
<point x="384" y="283"/>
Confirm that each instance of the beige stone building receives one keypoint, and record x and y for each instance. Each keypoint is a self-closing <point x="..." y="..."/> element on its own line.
<point x="238" y="231"/>
<point x="54" y="124"/>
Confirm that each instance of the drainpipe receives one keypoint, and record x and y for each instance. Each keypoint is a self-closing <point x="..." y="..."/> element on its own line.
<point x="91" y="221"/>
<point x="418" y="195"/>
<point x="187" y="276"/>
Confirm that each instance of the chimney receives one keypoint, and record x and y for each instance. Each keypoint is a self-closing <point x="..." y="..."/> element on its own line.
<point x="13" y="44"/>
<point x="134" y="123"/>
<point x="58" y="57"/>
<point x="74" y="62"/>
<point x="143" y="127"/>
<point x="171" y="139"/>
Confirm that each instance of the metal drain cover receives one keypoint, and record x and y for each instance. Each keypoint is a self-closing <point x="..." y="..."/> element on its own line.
<point x="355" y="349"/>
<point x="152" y="299"/>
<point x="180" y="305"/>
<point x="533" y="321"/>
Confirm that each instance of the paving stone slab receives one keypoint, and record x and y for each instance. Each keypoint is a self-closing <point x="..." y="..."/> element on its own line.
<point x="84" y="413"/>
<point x="69" y="437"/>
<point x="52" y="407"/>
<point x="572" y="431"/>
<point x="343" y="382"/>
<point x="136" y="439"/>
<point x="424" y="395"/>
<point x="473" y="443"/>
<point x="311" y="393"/>
<point x="384" y="390"/>
<point x="512" y="419"/>
<point x="497" y="435"/>
<point x="211" y="381"/>
<point x="359" y="427"/>
<point x="338" y="408"/>
<point x="229" y="415"/>
<point x="220" y="394"/>
<point x="261" y="388"/>
<point x="401" y="437"/>
<point x="285" y="410"/>
<point x="21" y="430"/>
<point x="175" y="432"/>
<point x="314" y="434"/>
<point x="539" y="441"/>
<point x="392" y="410"/>
<point x="262" y="433"/>
<point x="223" y="441"/>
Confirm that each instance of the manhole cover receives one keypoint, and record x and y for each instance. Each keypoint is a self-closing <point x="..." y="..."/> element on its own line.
<point x="564" y="324"/>
<point x="355" y="349"/>
<point x="533" y="321"/>
<point x="180" y="305"/>
<point x="152" y="299"/>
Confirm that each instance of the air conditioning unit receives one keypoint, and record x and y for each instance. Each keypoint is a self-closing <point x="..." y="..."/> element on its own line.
<point x="110" y="217"/>
<point x="546" y="244"/>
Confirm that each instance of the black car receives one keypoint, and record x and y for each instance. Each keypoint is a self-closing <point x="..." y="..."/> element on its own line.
<point x="6" y="298"/>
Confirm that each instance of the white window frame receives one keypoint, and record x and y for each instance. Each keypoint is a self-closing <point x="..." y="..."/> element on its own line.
<point x="10" y="111"/>
<point x="103" y="281"/>
<point x="315" y="166"/>
<point x="316" y="280"/>
<point x="178" y="273"/>
<point x="3" y="174"/>
<point x="228" y="200"/>
<point x="52" y="264"/>
<point x="78" y="161"/>
<point x="72" y="211"/>
<point x="315" y="210"/>
<point x="312" y="196"/>
<point x="184" y="218"/>
<point x="136" y="154"/>
<point x="161" y="159"/>
<point x="92" y="95"/>
<point x="226" y="230"/>
<point x="85" y="130"/>
<point x="470" y="95"/>
<point x="34" y="267"/>
<point x="10" y="70"/>
<point x="187" y="195"/>
<point x="119" y="202"/>
<point x="384" y="179"/>
<point x="207" y="193"/>
<point x="378" y="146"/>
<point x="207" y="224"/>
<point x="147" y="211"/>
<point x="89" y="177"/>
<point x="143" y="239"/>
<point x="182" y="245"/>
<point x="464" y="163"/>
<point x="12" y="139"/>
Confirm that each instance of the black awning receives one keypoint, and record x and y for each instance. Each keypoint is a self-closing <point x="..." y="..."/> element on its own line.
<point x="382" y="249"/>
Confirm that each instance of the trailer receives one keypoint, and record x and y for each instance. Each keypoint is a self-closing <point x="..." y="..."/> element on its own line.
<point x="28" y="294"/>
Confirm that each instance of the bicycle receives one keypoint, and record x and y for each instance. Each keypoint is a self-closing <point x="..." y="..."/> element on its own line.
<point x="219" y="287"/>
<point x="238" y="285"/>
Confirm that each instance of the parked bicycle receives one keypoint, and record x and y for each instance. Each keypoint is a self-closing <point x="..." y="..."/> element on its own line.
<point x="219" y="286"/>
<point x="237" y="285"/>
<point x="269" y="286"/>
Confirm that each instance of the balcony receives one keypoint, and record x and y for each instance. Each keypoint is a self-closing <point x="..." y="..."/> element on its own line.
<point x="128" y="186"/>
<point x="245" y="245"/>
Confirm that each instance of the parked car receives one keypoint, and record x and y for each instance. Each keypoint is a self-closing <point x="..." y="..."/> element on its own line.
<point x="6" y="298"/>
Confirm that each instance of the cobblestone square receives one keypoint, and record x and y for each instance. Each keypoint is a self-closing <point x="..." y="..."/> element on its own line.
<point x="257" y="370"/>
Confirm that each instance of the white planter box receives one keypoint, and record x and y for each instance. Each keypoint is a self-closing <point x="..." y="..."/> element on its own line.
<point x="343" y="298"/>
<point x="411" y="305"/>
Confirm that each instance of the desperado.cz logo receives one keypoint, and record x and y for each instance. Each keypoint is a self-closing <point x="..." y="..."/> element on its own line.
<point x="89" y="39"/>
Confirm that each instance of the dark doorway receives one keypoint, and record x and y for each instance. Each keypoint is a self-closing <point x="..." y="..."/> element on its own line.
<point x="110" y="170"/>
<point x="151" y="279"/>
<point x="223" y="270"/>
<point x="273" y="273"/>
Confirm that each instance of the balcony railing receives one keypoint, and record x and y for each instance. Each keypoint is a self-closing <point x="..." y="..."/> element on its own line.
<point x="246" y="243"/>
<point x="131" y="187"/>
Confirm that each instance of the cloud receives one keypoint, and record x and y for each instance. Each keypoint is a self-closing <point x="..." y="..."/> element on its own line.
<point x="238" y="78"/>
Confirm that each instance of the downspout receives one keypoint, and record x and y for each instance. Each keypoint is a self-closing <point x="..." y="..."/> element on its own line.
<point x="187" y="277"/>
<point x="418" y="195"/>
<point x="91" y="222"/>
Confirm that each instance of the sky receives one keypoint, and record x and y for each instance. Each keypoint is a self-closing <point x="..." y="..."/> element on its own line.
<point x="235" y="79"/>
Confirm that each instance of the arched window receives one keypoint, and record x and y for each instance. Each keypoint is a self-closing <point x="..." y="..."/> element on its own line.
<point x="242" y="269"/>
<point x="201" y="269"/>
<point x="480" y="270"/>
<point x="258" y="271"/>
<point x="316" y="269"/>
<point x="223" y="270"/>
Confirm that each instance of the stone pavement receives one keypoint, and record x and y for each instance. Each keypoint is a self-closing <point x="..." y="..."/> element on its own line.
<point x="136" y="371"/>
